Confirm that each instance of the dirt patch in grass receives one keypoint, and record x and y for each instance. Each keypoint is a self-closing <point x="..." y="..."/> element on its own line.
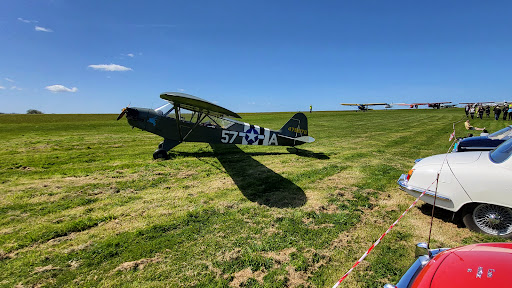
<point x="186" y="174"/>
<point x="231" y="255"/>
<point x="4" y="255"/>
<point x="282" y="256"/>
<point x="137" y="265"/>
<point x="296" y="278"/>
<point x="242" y="276"/>
<point x="45" y="269"/>
<point x="78" y="248"/>
<point x="57" y="240"/>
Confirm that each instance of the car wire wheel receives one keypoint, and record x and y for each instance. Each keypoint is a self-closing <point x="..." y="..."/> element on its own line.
<point x="493" y="219"/>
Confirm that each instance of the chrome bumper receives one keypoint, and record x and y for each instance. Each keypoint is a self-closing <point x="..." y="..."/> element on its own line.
<point x="409" y="276"/>
<point x="415" y="191"/>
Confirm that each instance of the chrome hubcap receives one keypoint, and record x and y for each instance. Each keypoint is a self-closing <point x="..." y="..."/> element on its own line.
<point x="493" y="219"/>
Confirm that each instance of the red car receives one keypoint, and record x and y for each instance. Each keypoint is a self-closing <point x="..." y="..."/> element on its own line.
<point x="476" y="265"/>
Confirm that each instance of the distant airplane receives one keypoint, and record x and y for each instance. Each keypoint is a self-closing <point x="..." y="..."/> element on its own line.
<point x="487" y="103"/>
<point x="472" y="103"/>
<point x="208" y="124"/>
<point x="435" y="105"/>
<point x="449" y="105"/>
<point x="364" y="107"/>
<point x="503" y="103"/>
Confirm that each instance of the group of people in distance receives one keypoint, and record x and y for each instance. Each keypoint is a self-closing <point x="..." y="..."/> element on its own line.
<point x="479" y="109"/>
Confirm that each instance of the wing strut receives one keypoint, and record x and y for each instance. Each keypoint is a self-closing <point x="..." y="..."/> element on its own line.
<point x="199" y="119"/>
<point x="177" y="113"/>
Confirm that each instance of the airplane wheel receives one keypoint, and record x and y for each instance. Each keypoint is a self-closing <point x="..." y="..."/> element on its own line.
<point x="160" y="154"/>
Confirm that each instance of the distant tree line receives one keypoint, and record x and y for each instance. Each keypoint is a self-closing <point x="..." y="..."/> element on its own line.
<point x="34" y="111"/>
<point x="29" y="111"/>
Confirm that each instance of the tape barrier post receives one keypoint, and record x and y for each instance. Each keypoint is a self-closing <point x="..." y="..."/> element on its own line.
<point x="380" y="238"/>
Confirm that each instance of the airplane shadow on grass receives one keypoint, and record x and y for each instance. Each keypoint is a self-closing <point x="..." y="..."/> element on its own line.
<point x="257" y="182"/>
<point x="307" y="153"/>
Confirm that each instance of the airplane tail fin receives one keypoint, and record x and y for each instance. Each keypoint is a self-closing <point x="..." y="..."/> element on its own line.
<point x="297" y="128"/>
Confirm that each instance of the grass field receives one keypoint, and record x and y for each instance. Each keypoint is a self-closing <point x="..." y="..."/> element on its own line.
<point x="83" y="203"/>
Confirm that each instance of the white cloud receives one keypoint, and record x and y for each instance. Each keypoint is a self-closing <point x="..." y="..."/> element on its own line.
<point x="26" y="21"/>
<point x="42" y="29"/>
<point x="130" y="55"/>
<point x="16" y="88"/>
<point x="10" y="80"/>
<point x="2" y="88"/>
<point x="60" y="88"/>
<point x="109" y="67"/>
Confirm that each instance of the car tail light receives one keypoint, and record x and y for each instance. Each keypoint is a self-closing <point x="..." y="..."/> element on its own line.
<point x="409" y="174"/>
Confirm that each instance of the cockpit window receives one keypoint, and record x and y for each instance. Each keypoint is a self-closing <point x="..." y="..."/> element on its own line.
<point x="502" y="152"/>
<point x="203" y="117"/>
<point x="505" y="133"/>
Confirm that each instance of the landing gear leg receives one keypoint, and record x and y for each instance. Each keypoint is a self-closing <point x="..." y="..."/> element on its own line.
<point x="163" y="147"/>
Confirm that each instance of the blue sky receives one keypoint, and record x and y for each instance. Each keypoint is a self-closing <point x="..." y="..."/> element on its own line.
<point x="251" y="56"/>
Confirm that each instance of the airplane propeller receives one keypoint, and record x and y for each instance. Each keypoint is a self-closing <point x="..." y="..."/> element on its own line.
<point x="123" y="112"/>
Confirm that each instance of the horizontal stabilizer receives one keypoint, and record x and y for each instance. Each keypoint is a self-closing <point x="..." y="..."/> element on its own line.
<point x="306" y="139"/>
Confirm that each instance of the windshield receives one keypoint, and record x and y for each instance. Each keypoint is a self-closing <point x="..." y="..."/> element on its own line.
<point x="165" y="109"/>
<point x="505" y="133"/>
<point x="502" y="152"/>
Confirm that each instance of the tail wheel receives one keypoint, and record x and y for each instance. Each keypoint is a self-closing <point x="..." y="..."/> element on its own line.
<point x="489" y="219"/>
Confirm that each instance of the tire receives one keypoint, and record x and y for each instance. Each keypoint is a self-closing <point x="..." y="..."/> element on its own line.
<point x="160" y="154"/>
<point x="489" y="219"/>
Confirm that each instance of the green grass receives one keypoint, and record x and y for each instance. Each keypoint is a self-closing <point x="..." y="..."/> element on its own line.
<point x="83" y="203"/>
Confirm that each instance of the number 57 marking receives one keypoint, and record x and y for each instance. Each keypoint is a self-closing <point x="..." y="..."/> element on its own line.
<point x="225" y="136"/>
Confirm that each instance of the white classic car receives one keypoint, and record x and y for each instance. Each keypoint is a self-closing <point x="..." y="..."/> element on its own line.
<point x="477" y="186"/>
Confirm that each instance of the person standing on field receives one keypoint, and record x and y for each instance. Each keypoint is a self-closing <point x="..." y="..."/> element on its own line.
<point x="481" y="112"/>
<point x="497" y="112"/>
<point x="310" y="108"/>
<point x="472" y="111"/>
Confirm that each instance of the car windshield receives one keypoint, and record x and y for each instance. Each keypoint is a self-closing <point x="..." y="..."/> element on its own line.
<point x="502" y="152"/>
<point x="505" y="133"/>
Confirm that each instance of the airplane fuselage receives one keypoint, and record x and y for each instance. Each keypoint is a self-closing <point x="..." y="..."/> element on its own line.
<point x="185" y="131"/>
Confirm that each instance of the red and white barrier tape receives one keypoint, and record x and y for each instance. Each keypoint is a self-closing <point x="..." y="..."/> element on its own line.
<point x="452" y="137"/>
<point x="378" y="241"/>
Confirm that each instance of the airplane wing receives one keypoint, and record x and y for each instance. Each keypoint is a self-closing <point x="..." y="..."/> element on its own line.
<point x="197" y="104"/>
<point x="363" y="104"/>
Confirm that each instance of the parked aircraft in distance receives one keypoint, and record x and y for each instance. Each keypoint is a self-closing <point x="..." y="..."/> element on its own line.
<point x="435" y="105"/>
<point x="364" y="107"/>
<point x="478" y="103"/>
<point x="207" y="123"/>
<point x="488" y="103"/>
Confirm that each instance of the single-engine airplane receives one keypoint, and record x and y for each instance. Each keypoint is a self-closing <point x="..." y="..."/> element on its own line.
<point x="435" y="105"/>
<point x="207" y="123"/>
<point x="364" y="107"/>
